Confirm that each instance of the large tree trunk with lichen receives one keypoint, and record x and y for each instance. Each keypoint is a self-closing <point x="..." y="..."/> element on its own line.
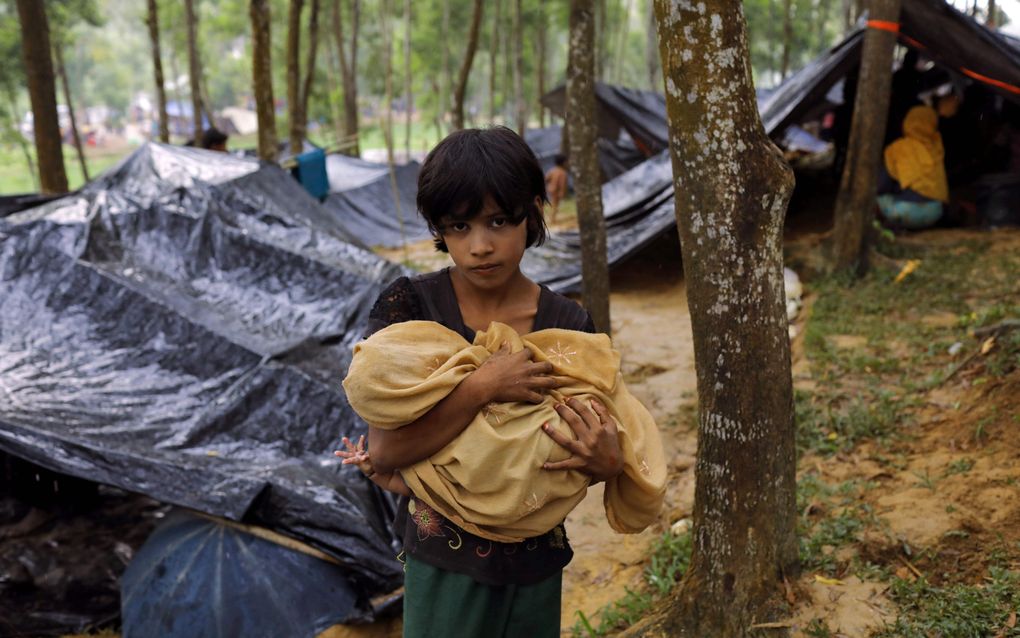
<point x="194" y="69"/>
<point x="152" y="21"/>
<point x="732" y="187"/>
<point x="262" y="78"/>
<point x="349" y="71"/>
<point x="457" y="111"/>
<point x="58" y="57"/>
<point x="855" y="201"/>
<point x="584" y="163"/>
<point x="35" y="49"/>
<point x="294" y="75"/>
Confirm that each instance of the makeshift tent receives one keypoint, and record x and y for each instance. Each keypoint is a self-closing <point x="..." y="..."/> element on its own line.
<point x="362" y="200"/>
<point x="615" y="156"/>
<point x="179" y="328"/>
<point x="642" y="114"/>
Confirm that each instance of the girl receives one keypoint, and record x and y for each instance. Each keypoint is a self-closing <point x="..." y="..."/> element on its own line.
<point x="482" y="193"/>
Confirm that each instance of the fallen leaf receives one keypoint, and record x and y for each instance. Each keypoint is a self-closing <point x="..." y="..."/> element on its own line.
<point x="908" y="268"/>
<point x="827" y="581"/>
<point x="1012" y="620"/>
<point x="987" y="346"/>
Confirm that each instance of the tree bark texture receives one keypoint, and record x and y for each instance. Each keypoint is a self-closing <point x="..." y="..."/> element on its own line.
<point x="520" y="106"/>
<point x="446" y="76"/>
<point x="584" y="163"/>
<point x="731" y="191"/>
<point x="306" y="89"/>
<point x="349" y="71"/>
<point x="465" y="67"/>
<point x="294" y="75"/>
<point x="333" y="79"/>
<point x="194" y="69"/>
<point x="152" y="20"/>
<point x="35" y="48"/>
<point x="58" y="56"/>
<point x="855" y="201"/>
<point x="262" y="78"/>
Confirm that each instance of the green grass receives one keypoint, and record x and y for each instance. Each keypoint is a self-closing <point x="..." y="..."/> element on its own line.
<point x="670" y="557"/>
<point x="15" y="177"/>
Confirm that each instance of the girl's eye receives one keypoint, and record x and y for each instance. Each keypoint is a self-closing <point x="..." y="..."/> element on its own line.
<point x="499" y="222"/>
<point x="457" y="227"/>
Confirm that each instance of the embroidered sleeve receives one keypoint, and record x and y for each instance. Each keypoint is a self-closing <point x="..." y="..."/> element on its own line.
<point x="397" y="303"/>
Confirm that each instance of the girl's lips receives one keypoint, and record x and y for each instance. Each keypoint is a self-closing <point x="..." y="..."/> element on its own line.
<point x="485" y="268"/>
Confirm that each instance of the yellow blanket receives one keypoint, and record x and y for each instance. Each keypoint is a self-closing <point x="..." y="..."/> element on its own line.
<point x="916" y="160"/>
<point x="489" y="480"/>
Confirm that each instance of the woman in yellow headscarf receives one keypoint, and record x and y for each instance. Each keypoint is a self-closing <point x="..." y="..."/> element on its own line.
<point x="915" y="162"/>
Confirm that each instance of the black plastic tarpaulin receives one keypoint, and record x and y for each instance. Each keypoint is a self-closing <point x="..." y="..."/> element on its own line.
<point x="180" y="329"/>
<point x="362" y="199"/>
<point x="615" y="156"/>
<point x="642" y="114"/>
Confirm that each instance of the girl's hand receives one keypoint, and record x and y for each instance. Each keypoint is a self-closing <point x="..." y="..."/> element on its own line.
<point x="356" y="455"/>
<point x="506" y="377"/>
<point x="596" y="450"/>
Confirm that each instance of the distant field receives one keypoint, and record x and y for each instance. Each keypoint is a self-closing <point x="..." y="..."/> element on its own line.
<point x="15" y="176"/>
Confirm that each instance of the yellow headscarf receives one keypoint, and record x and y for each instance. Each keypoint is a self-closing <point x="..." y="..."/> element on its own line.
<point x="916" y="160"/>
<point x="489" y="480"/>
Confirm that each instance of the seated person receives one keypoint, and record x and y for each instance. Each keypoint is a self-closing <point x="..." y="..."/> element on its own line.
<point x="913" y="190"/>
<point x="493" y="480"/>
<point x="556" y="184"/>
<point x="214" y="139"/>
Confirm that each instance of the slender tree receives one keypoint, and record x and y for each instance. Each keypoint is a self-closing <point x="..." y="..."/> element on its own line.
<point x="35" y="49"/>
<point x="58" y="57"/>
<point x="520" y="106"/>
<point x="152" y="21"/>
<point x="312" y="52"/>
<point x="446" y="76"/>
<point x="992" y="19"/>
<point x="822" y="19"/>
<point x="855" y="200"/>
<point x="297" y="139"/>
<point x="494" y="59"/>
<point x="540" y="64"/>
<point x="262" y="78"/>
<point x="408" y="95"/>
<point x="787" y="38"/>
<point x="584" y="165"/>
<point x="457" y="112"/>
<point x="387" y="44"/>
<point x="349" y="71"/>
<point x="194" y="68"/>
<point x="621" y="42"/>
<point x="652" y="50"/>
<point x="732" y="187"/>
<point x="332" y="82"/>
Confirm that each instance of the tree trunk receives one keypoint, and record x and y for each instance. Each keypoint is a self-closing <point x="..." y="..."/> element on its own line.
<point x="601" y="50"/>
<point x="540" y="64"/>
<point x="35" y="48"/>
<point x="58" y="56"/>
<point x="313" y="48"/>
<point x="446" y="77"/>
<point x="787" y="37"/>
<point x="333" y="79"/>
<point x="349" y="71"/>
<point x="384" y="9"/>
<point x="520" y="106"/>
<point x="732" y="189"/>
<point x="465" y="68"/>
<point x="494" y="60"/>
<point x="262" y="78"/>
<point x="652" y="50"/>
<point x="152" y="20"/>
<point x="194" y="69"/>
<point x="584" y="163"/>
<point x="294" y="75"/>
<point x="855" y="201"/>
<point x="621" y="43"/>
<point x="992" y="18"/>
<point x="408" y="97"/>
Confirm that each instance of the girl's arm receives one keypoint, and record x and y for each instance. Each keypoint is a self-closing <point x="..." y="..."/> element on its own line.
<point x="504" y="377"/>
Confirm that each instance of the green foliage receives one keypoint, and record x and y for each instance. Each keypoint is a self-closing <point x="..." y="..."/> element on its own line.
<point x="831" y="517"/>
<point x="670" y="558"/>
<point x="960" y="611"/>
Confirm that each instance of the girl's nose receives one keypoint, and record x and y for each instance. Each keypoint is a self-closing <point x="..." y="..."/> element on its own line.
<point x="481" y="243"/>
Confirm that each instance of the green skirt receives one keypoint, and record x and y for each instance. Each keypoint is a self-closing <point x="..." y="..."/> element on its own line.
<point x="443" y="604"/>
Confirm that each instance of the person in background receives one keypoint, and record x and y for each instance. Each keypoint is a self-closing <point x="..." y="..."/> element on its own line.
<point x="914" y="190"/>
<point x="556" y="184"/>
<point x="214" y="139"/>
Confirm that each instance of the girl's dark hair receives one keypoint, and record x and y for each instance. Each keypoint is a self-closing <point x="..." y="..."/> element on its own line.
<point x="472" y="163"/>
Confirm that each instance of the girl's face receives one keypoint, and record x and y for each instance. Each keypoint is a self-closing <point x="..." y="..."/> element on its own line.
<point x="487" y="248"/>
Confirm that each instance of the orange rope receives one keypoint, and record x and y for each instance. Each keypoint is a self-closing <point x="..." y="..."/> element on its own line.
<point x="894" y="27"/>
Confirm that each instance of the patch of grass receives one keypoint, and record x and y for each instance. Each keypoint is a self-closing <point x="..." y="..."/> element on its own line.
<point x="959" y="466"/>
<point x="829" y="429"/>
<point x="843" y="520"/>
<point x="670" y="557"/>
<point x="960" y="611"/>
<point x="818" y="629"/>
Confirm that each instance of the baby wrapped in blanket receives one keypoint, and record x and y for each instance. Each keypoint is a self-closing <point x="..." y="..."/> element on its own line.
<point x="489" y="480"/>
